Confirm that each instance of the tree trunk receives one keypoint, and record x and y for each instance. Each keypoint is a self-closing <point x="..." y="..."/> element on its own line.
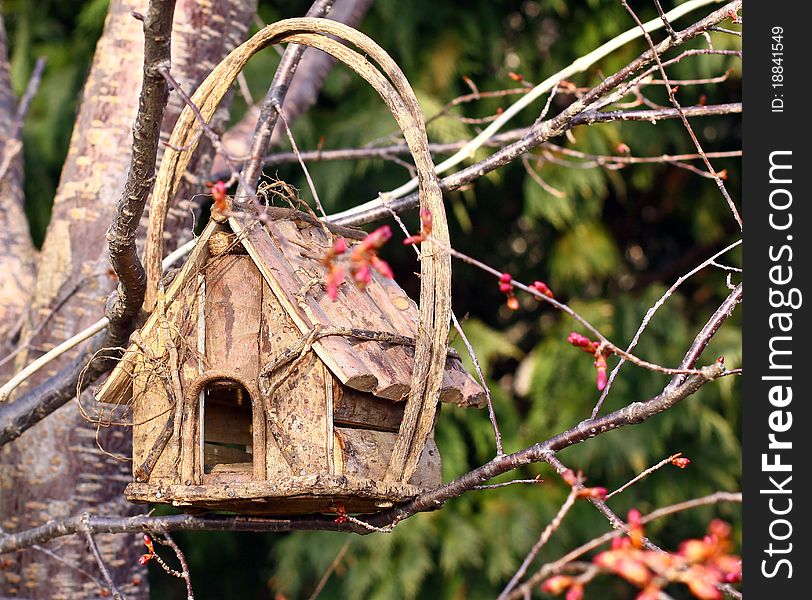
<point x="17" y="253"/>
<point x="66" y="465"/>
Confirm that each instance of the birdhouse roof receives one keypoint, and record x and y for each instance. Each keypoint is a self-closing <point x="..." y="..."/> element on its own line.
<point x="287" y="253"/>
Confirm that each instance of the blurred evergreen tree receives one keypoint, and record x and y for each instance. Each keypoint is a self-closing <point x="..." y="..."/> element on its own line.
<point x="610" y="247"/>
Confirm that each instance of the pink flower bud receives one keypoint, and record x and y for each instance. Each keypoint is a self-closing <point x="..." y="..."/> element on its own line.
<point x="377" y="238"/>
<point x="362" y="276"/>
<point x="335" y="277"/>
<point x="426" y="221"/>
<point x="601" y="379"/>
<point x="339" y="246"/>
<point x="542" y="288"/>
<point x="597" y="493"/>
<point x="382" y="267"/>
<point x="576" y="592"/>
<point x="557" y="584"/>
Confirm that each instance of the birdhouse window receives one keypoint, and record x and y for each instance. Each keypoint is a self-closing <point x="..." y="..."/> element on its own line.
<point x="227" y="434"/>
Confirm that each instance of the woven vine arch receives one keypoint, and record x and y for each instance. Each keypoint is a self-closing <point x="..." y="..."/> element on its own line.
<point x="435" y="264"/>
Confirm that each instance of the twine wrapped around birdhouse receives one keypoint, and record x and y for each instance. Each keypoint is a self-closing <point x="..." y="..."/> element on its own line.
<point x="435" y="281"/>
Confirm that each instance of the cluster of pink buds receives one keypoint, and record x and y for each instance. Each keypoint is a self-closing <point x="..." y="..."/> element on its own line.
<point x="564" y="583"/>
<point x="594" y="348"/>
<point x="335" y="272"/>
<point x="341" y="511"/>
<point x="678" y="460"/>
<point x="218" y="194"/>
<point x="365" y="257"/>
<point x="700" y="564"/>
<point x="595" y="493"/>
<point x="542" y="288"/>
<point x="363" y="260"/>
<point x="145" y="558"/>
<point x="426" y="222"/>
<point x="506" y="287"/>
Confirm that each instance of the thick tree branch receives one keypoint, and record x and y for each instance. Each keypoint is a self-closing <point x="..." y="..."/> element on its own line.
<point x="386" y="152"/>
<point x="122" y="233"/>
<point x="433" y="500"/>
<point x="37" y="403"/>
<point x="630" y="415"/>
<point x="268" y="114"/>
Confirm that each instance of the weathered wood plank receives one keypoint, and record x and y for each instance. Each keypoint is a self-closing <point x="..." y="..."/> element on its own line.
<point x="286" y="495"/>
<point x="277" y="274"/>
<point x="296" y="407"/>
<point x="458" y="386"/>
<point x="115" y="388"/>
<point x="276" y="465"/>
<point x="152" y="409"/>
<point x="363" y="410"/>
<point x="365" y="454"/>
<point x="233" y="311"/>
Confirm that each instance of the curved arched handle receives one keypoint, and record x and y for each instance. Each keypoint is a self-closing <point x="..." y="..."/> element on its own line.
<point x="435" y="269"/>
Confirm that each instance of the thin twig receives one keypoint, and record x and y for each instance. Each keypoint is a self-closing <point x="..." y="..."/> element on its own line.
<point x="30" y="91"/>
<point x="13" y="144"/>
<point x="555" y="567"/>
<point x="650" y="314"/>
<point x="643" y="474"/>
<point x="330" y="570"/>
<point x="94" y="548"/>
<point x="497" y="434"/>
<point x="543" y="539"/>
<point x="184" y="572"/>
<point x="493" y="486"/>
<point x="673" y="98"/>
<point x="310" y="184"/>
<point x="210" y="133"/>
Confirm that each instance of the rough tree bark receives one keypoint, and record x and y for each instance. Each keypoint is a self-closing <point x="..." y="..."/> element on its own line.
<point x="17" y="251"/>
<point x="58" y="468"/>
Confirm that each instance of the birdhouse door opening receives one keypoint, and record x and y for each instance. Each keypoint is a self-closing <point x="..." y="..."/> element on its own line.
<point x="227" y="420"/>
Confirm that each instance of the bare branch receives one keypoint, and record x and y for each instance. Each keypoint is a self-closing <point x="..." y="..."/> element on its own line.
<point x="540" y="132"/>
<point x="330" y="570"/>
<point x="146" y="133"/>
<point x="94" y="548"/>
<point x="543" y="539"/>
<point x="673" y="98"/>
<point x="271" y="107"/>
<point x="555" y="567"/>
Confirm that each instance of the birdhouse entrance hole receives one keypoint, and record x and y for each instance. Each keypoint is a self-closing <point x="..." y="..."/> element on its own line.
<point x="228" y="444"/>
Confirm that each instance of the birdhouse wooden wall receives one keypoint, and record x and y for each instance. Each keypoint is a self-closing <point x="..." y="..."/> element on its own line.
<point x="239" y="405"/>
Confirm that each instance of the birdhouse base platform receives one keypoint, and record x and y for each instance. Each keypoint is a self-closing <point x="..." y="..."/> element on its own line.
<point x="284" y="496"/>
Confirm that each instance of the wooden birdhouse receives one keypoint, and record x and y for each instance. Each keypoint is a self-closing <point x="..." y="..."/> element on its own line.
<point x="252" y="391"/>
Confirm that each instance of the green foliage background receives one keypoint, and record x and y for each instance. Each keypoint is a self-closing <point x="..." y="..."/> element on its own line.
<point x="610" y="248"/>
